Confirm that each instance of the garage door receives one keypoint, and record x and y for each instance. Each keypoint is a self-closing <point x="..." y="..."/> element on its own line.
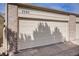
<point x="34" y="33"/>
<point x="77" y="31"/>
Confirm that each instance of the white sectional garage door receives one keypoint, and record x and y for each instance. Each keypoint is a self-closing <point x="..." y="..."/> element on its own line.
<point x="33" y="33"/>
<point x="77" y="31"/>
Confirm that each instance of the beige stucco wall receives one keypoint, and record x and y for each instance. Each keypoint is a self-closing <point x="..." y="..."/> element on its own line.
<point x="66" y="25"/>
<point x="10" y="29"/>
<point x="41" y="14"/>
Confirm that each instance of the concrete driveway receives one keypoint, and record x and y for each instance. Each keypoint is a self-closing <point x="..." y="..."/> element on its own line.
<point x="59" y="49"/>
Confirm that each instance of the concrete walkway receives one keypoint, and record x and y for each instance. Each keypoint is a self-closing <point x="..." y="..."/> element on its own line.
<point x="60" y="49"/>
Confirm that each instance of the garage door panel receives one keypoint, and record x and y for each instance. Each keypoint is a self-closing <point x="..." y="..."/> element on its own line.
<point x="77" y="31"/>
<point x="39" y="33"/>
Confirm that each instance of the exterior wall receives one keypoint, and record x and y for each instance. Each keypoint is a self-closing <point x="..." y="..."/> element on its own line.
<point x="65" y="23"/>
<point x="41" y="14"/>
<point x="72" y="27"/>
<point x="12" y="27"/>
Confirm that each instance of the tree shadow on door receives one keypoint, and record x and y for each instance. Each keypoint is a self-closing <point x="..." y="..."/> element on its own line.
<point x="43" y="32"/>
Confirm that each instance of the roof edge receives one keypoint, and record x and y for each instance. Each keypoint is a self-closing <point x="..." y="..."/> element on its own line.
<point x="29" y="5"/>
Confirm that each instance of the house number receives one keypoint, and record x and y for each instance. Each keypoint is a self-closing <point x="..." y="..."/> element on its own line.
<point x="25" y="12"/>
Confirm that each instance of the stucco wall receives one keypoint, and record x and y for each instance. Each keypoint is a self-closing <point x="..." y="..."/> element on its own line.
<point x="41" y="14"/>
<point x="41" y="25"/>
